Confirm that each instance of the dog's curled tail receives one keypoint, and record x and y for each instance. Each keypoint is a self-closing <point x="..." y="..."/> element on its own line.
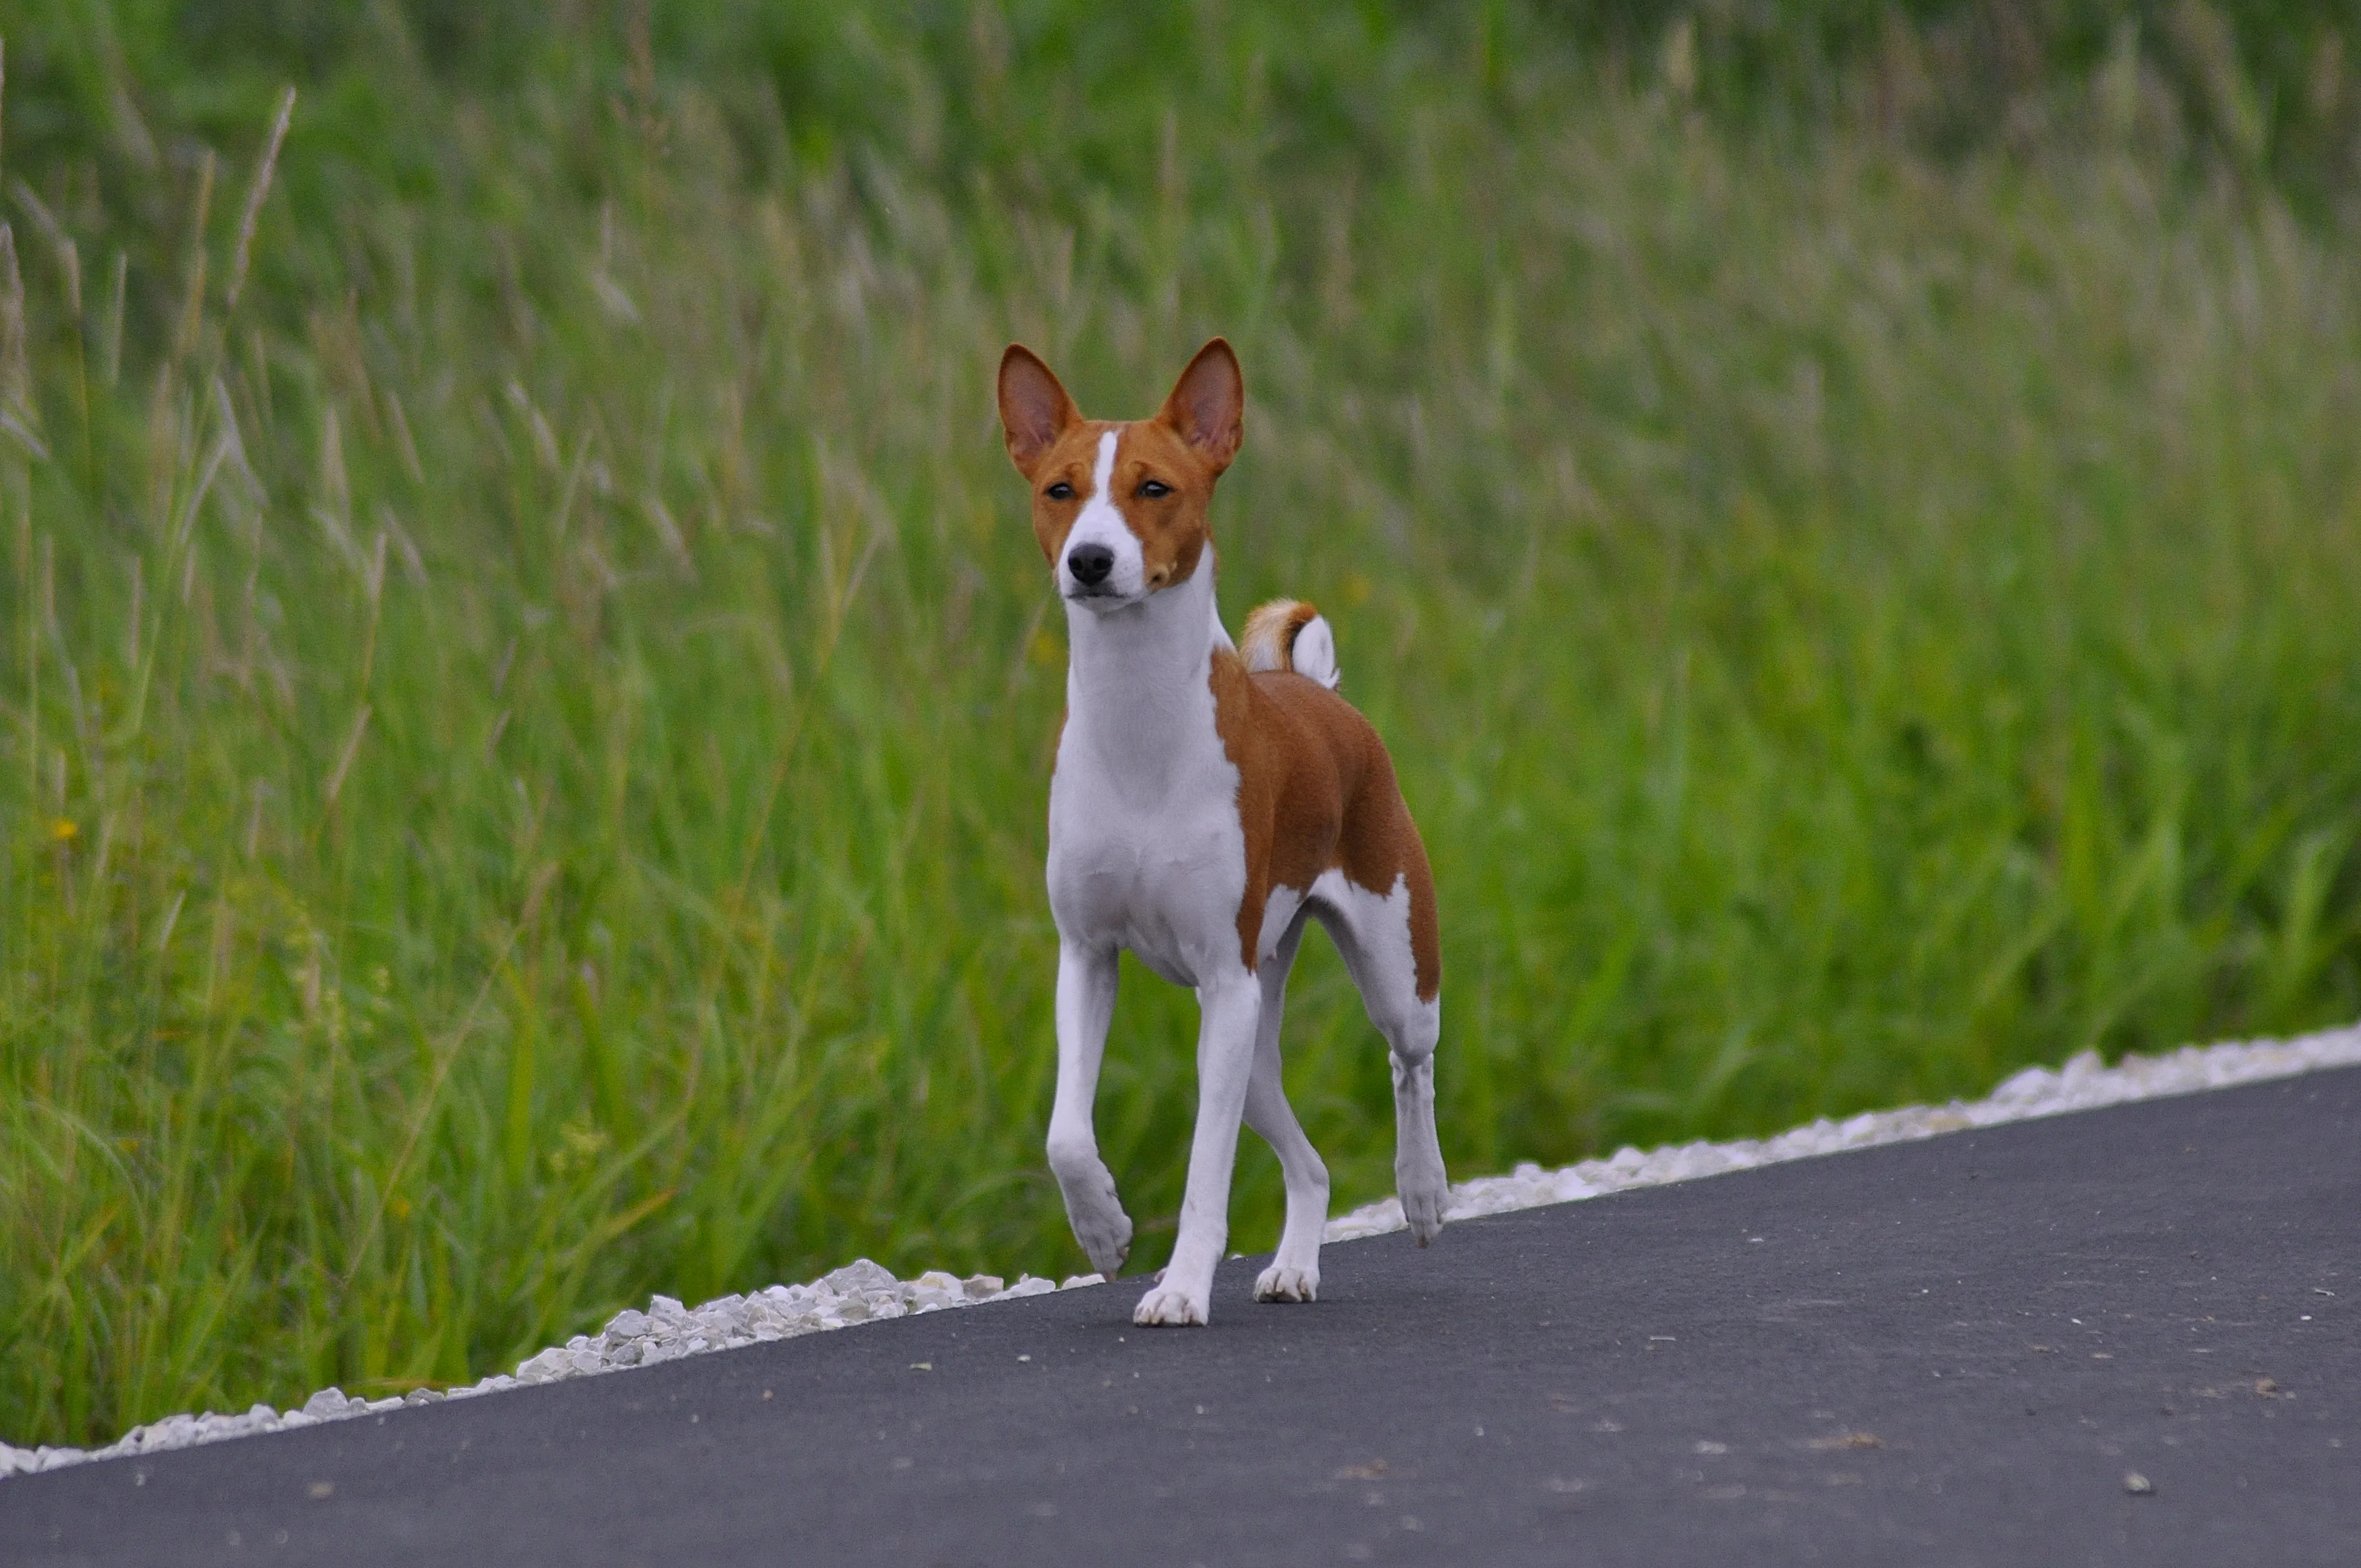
<point x="1288" y="634"/>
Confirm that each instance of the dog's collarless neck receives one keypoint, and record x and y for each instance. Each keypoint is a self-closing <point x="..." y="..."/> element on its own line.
<point x="1138" y="686"/>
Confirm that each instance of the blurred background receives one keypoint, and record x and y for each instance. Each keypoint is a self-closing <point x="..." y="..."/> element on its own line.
<point x="526" y="691"/>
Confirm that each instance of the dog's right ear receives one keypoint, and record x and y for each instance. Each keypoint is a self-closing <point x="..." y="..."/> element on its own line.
<point x="1034" y="409"/>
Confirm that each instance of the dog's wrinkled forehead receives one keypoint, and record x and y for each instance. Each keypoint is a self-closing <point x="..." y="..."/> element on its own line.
<point x="1111" y="459"/>
<point x="1083" y="457"/>
<point x="1102" y="509"/>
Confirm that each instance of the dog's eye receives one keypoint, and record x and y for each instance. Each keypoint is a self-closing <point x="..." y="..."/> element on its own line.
<point x="1154" y="488"/>
<point x="1061" y="491"/>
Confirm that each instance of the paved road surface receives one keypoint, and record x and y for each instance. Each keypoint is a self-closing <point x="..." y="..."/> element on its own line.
<point x="1943" y="1353"/>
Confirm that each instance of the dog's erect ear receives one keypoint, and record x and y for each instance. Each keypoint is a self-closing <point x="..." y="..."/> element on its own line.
<point x="1034" y="409"/>
<point x="1208" y="404"/>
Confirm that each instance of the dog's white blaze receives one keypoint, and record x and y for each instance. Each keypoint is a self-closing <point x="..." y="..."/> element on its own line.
<point x="1101" y="521"/>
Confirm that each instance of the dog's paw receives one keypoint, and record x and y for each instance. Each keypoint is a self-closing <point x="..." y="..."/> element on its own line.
<point x="1098" y="1221"/>
<point x="1106" y="1238"/>
<point x="1425" y="1194"/>
<point x="1282" y="1283"/>
<point x="1169" y="1306"/>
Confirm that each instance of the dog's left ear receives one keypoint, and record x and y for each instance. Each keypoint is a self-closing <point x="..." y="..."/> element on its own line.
<point x="1208" y="404"/>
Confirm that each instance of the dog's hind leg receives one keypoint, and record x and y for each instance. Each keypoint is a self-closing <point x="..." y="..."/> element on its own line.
<point x="1373" y="933"/>
<point x="1294" y="1274"/>
<point x="1419" y="1176"/>
<point x="1086" y="980"/>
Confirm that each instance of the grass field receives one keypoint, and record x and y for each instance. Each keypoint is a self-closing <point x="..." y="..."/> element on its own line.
<point x="526" y="693"/>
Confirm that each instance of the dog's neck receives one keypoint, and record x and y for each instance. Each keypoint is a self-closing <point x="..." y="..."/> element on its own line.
<point x="1137" y="691"/>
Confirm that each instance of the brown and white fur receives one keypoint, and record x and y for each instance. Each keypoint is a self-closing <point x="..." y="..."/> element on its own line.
<point x="1203" y="807"/>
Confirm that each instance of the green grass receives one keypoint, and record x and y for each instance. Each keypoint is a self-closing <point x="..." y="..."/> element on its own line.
<point x="523" y="738"/>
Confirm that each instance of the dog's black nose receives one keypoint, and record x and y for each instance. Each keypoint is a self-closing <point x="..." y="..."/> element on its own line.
<point x="1090" y="563"/>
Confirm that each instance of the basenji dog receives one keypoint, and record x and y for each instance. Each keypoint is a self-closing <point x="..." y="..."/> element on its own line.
<point x="1205" y="805"/>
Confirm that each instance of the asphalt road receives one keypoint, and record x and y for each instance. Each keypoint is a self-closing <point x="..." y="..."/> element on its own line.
<point x="1944" y="1352"/>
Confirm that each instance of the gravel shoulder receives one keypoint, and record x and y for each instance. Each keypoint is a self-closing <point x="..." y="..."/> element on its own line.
<point x="2126" y="1336"/>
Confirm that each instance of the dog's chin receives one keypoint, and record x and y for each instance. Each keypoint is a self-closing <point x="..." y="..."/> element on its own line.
<point x="1103" y="600"/>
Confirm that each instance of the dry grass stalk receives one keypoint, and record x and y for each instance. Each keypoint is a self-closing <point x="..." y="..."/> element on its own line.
<point x="254" y="197"/>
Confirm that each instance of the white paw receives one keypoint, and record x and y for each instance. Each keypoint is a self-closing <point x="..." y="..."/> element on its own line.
<point x="1425" y="1194"/>
<point x="1106" y="1238"/>
<point x="1169" y="1306"/>
<point x="1100" y="1224"/>
<point x="1282" y="1283"/>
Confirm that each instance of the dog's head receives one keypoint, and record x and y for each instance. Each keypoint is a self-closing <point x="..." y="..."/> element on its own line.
<point x="1120" y="507"/>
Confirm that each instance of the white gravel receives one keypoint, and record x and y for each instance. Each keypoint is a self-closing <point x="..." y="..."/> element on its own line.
<point x="2082" y="1084"/>
<point x="862" y="1292"/>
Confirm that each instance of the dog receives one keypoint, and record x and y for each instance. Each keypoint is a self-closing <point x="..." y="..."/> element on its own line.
<point x="1205" y="805"/>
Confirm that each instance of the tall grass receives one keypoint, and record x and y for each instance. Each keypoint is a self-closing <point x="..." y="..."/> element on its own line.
<point x="526" y="718"/>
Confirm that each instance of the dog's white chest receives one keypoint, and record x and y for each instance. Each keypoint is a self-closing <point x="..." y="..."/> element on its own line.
<point x="1145" y="849"/>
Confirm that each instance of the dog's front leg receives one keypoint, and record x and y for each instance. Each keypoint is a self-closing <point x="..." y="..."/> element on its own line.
<point x="1231" y="1008"/>
<point x="1086" y="978"/>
